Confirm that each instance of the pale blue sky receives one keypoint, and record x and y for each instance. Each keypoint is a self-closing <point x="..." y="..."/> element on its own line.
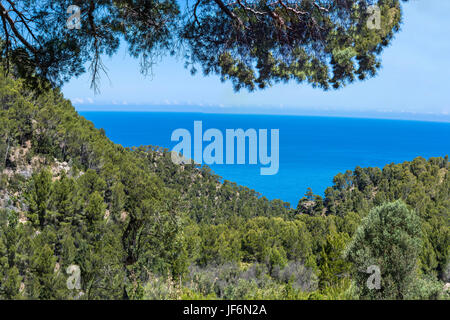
<point x="413" y="83"/>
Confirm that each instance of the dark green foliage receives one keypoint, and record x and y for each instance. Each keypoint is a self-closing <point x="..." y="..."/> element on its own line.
<point x="252" y="43"/>
<point x="423" y="185"/>
<point x="389" y="238"/>
<point x="9" y="274"/>
<point x="333" y="266"/>
<point x="37" y="44"/>
<point x="258" y="43"/>
<point x="39" y="196"/>
<point x="139" y="226"/>
<point x="94" y="204"/>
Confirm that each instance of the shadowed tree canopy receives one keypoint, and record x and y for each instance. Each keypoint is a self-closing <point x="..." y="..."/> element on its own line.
<point x="254" y="44"/>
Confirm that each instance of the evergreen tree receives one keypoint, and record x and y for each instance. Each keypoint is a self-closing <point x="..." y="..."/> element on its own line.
<point x="389" y="238"/>
<point x="39" y="197"/>
<point x="327" y="44"/>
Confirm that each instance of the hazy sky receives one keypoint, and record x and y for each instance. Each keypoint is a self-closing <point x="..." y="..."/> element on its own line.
<point x="414" y="79"/>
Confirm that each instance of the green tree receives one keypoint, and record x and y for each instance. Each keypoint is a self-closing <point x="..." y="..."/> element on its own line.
<point x="10" y="278"/>
<point x="252" y="43"/>
<point x="39" y="197"/>
<point x="44" y="280"/>
<point x="95" y="209"/>
<point x="332" y="264"/>
<point x="117" y="201"/>
<point x="390" y="238"/>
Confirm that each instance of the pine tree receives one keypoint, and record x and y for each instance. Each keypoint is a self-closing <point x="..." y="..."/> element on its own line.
<point x="39" y="196"/>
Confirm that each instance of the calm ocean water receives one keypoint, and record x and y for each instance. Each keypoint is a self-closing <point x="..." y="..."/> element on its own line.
<point x="312" y="149"/>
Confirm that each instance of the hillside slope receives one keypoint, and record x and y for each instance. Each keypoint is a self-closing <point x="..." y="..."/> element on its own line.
<point x="133" y="222"/>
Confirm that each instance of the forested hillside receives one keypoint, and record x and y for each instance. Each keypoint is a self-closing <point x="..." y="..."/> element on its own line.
<point x="140" y="227"/>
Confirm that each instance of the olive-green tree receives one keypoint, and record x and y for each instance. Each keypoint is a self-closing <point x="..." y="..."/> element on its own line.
<point x="390" y="239"/>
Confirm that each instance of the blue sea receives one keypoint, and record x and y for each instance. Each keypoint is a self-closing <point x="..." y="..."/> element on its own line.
<point x="312" y="150"/>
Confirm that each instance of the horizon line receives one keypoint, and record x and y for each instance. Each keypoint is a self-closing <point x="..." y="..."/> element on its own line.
<point x="370" y="114"/>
